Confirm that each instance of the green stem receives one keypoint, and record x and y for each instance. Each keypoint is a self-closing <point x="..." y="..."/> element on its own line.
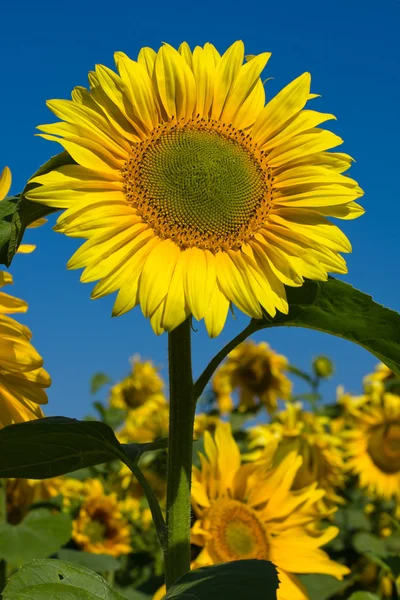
<point x="180" y="447"/>
<point x="3" y="519"/>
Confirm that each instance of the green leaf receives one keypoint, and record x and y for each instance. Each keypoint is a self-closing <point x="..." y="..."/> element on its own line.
<point x="130" y="593"/>
<point x="39" y="535"/>
<point x="96" y="562"/>
<point x="393" y="562"/>
<point x="98" y="381"/>
<point x="366" y="542"/>
<point x="25" y="212"/>
<point x="238" y="580"/>
<point x="363" y="596"/>
<point x="54" y="446"/>
<point x="337" y="308"/>
<point x="322" y="587"/>
<point x="57" y="580"/>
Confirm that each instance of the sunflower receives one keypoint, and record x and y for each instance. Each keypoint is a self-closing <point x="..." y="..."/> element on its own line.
<point x="257" y="372"/>
<point x="249" y="511"/>
<point x="22" y="493"/>
<point x="191" y="192"/>
<point x="205" y="422"/>
<point x="372" y="444"/>
<point x="5" y="184"/>
<point x="100" y="527"/>
<point x="22" y="377"/>
<point x="142" y="384"/>
<point x="381" y="379"/>
<point x="309" y="435"/>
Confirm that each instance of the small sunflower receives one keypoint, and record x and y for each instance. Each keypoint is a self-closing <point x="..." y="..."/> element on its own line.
<point x="22" y="493"/>
<point x="309" y="435"/>
<point x="5" y="184"/>
<point x="22" y="377"/>
<point x="380" y="380"/>
<point x="248" y="511"/>
<point x="257" y="373"/>
<point x="147" y="423"/>
<point x="100" y="527"/>
<point x="205" y="422"/>
<point x="372" y="445"/>
<point x="191" y="192"/>
<point x="142" y="384"/>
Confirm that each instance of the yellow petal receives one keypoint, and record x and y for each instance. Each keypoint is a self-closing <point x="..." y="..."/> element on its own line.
<point x="156" y="275"/>
<point x="176" y="308"/>
<point x="216" y="313"/>
<point x="147" y="58"/>
<point x="235" y="286"/>
<point x="175" y="83"/>
<point x="204" y="73"/>
<point x="226" y="72"/>
<point x="311" y="142"/>
<point x="5" y="182"/>
<point x="306" y="119"/>
<point x="199" y="280"/>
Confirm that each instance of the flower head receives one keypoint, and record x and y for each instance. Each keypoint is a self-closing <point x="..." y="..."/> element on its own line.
<point x="372" y="444"/>
<point x="22" y="377"/>
<point x="191" y="192"/>
<point x="257" y="373"/>
<point x="22" y="493"/>
<point x="250" y="511"/>
<point x="100" y="526"/>
<point x="307" y="434"/>
<point x="142" y="384"/>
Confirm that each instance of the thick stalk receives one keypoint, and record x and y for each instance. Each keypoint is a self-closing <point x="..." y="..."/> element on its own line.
<point x="180" y="446"/>
<point x="3" y="519"/>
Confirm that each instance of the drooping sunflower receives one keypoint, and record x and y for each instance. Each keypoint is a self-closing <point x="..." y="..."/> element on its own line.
<point x="22" y="377"/>
<point x="309" y="435"/>
<point x="249" y="511"/>
<point x="191" y="192"/>
<point x="5" y="185"/>
<point x="372" y="444"/>
<point x="142" y="384"/>
<point x="100" y="527"/>
<point x="257" y="373"/>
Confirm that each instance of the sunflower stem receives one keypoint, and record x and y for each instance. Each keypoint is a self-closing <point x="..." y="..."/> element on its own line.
<point x="180" y="447"/>
<point x="3" y="519"/>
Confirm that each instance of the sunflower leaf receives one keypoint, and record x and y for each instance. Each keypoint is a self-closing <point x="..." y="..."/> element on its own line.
<point x="56" y="445"/>
<point x="363" y="596"/>
<point x="337" y="308"/>
<point x="39" y="535"/>
<point x="16" y="216"/>
<point x="237" y="580"/>
<point x="49" y="579"/>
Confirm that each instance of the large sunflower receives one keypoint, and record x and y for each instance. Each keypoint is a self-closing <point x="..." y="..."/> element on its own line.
<point x="257" y="372"/>
<point x="309" y="435"/>
<point x="190" y="192"/>
<point x="22" y="377"/>
<point x="249" y="511"/>
<point x="373" y="444"/>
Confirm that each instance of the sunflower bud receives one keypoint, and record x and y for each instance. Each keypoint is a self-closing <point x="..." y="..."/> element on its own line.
<point x="323" y="366"/>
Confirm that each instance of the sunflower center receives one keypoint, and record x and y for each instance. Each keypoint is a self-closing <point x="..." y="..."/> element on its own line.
<point x="236" y="532"/>
<point x="384" y="447"/>
<point x="200" y="183"/>
<point x="256" y="375"/>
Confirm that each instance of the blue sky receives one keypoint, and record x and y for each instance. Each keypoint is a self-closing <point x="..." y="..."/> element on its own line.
<point x="351" y="48"/>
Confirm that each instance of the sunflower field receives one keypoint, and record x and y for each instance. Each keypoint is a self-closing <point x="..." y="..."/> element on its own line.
<point x="194" y="197"/>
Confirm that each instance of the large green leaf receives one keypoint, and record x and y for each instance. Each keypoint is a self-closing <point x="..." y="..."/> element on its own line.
<point x="237" y="580"/>
<point x="54" y="446"/>
<point x="39" y="535"/>
<point x="322" y="587"/>
<point x="16" y="216"/>
<point x="365" y="542"/>
<point x="337" y="308"/>
<point x="57" y="580"/>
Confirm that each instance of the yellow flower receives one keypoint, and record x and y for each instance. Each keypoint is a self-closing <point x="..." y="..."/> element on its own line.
<point x="373" y="445"/>
<point x="72" y="490"/>
<point x="257" y="372"/>
<point x="22" y="377"/>
<point x="100" y="527"/>
<point x="191" y="192"/>
<point x="205" y="422"/>
<point x="249" y="511"/>
<point x="147" y="423"/>
<point x="22" y="493"/>
<point x="142" y="383"/>
<point x="375" y="383"/>
<point x="309" y="436"/>
<point x="5" y="184"/>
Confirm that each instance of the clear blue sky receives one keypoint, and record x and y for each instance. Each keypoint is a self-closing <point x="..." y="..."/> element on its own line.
<point x="351" y="48"/>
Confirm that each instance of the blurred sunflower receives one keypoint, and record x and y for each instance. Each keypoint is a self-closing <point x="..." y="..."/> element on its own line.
<point x="22" y="493"/>
<point x="5" y="184"/>
<point x="257" y="373"/>
<point x="372" y="445"/>
<point x="194" y="194"/>
<point x="147" y="423"/>
<point x="205" y="422"/>
<point x="142" y="383"/>
<point x="307" y="434"/>
<point x="249" y="511"/>
<point x="100" y="527"/>
<point x="378" y="381"/>
<point x="22" y="377"/>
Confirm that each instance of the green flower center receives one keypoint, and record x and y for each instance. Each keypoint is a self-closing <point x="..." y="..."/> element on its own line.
<point x="200" y="184"/>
